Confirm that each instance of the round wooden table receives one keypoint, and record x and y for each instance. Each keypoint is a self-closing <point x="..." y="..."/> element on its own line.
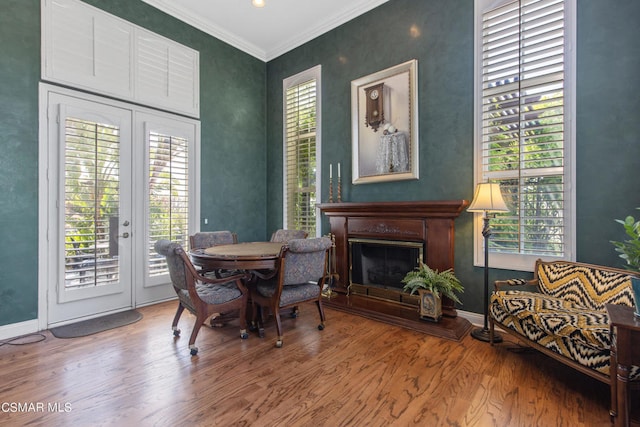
<point x="251" y="256"/>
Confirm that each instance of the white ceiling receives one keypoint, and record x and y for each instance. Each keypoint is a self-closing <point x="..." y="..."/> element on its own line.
<point x="267" y="32"/>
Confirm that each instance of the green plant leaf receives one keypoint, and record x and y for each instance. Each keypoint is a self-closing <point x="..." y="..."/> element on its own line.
<point x="443" y="283"/>
<point x="629" y="250"/>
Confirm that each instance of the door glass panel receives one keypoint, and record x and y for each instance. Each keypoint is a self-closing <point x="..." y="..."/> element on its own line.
<point x="91" y="203"/>
<point x="168" y="195"/>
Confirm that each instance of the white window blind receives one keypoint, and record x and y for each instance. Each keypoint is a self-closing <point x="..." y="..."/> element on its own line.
<point x="87" y="48"/>
<point x="301" y="111"/>
<point x="523" y="124"/>
<point x="168" y="195"/>
<point x="166" y="73"/>
<point x="91" y="203"/>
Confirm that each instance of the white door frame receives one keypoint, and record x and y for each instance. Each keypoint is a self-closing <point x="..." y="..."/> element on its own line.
<point x="158" y="291"/>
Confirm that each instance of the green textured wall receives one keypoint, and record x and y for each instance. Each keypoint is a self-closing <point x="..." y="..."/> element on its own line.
<point x="241" y="102"/>
<point x="608" y="124"/>
<point x="608" y="129"/>
<point x="19" y="75"/>
<point x="232" y="99"/>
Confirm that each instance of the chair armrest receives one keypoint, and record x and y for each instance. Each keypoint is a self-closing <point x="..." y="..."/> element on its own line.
<point x="500" y="285"/>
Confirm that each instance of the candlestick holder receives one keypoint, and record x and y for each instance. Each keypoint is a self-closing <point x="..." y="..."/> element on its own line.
<point x="330" y="190"/>
<point x="339" y="189"/>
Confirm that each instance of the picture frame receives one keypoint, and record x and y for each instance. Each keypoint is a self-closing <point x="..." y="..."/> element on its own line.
<point x="381" y="102"/>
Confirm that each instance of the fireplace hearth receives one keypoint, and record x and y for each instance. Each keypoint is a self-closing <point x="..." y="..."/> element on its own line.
<point x="378" y="243"/>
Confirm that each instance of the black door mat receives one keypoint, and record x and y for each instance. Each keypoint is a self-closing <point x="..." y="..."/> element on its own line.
<point x="99" y="324"/>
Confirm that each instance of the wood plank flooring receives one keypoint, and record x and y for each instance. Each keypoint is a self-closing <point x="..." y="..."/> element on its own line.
<point x="356" y="372"/>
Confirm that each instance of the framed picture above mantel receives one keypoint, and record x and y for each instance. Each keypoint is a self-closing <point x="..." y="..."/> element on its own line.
<point x="384" y="125"/>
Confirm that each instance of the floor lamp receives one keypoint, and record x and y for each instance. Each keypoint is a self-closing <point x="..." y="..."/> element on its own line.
<point x="488" y="200"/>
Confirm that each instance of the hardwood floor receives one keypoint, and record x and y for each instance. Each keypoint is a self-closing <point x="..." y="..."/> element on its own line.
<point x="357" y="372"/>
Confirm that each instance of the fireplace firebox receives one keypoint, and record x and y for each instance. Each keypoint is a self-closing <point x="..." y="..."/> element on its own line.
<point x="377" y="267"/>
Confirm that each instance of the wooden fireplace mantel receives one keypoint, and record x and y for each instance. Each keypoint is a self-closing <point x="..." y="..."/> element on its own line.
<point x="429" y="222"/>
<point x="423" y="208"/>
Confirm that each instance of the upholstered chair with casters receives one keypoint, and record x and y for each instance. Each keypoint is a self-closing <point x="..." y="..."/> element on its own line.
<point x="302" y="267"/>
<point x="203" y="296"/>
<point x="284" y="236"/>
<point x="207" y="239"/>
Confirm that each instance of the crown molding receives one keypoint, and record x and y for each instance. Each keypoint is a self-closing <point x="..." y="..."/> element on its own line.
<point x="297" y="40"/>
<point x="195" y="21"/>
<point x="190" y="18"/>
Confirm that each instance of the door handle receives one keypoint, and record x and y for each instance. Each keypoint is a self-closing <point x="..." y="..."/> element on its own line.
<point x="124" y="235"/>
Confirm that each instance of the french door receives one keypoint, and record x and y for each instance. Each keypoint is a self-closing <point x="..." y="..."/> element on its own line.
<point x="118" y="179"/>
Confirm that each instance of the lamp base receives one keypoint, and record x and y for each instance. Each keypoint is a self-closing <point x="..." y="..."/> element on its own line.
<point x="482" y="334"/>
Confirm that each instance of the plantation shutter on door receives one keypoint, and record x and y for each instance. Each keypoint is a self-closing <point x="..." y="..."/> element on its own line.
<point x="91" y="204"/>
<point x="300" y="156"/>
<point x="523" y="123"/>
<point x="168" y="195"/>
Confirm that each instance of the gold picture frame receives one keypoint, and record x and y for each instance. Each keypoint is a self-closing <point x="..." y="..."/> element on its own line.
<point x="386" y="151"/>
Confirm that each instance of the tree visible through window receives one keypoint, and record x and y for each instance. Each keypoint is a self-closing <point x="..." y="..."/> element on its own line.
<point x="523" y="130"/>
<point x="168" y="194"/>
<point x="91" y="203"/>
<point x="301" y="132"/>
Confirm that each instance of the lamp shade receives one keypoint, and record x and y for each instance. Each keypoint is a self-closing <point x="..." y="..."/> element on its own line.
<point x="488" y="198"/>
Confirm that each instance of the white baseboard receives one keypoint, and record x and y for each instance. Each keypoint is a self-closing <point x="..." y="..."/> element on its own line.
<point x="475" y="318"/>
<point x="18" y="329"/>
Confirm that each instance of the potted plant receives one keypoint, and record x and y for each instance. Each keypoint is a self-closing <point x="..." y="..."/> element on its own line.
<point x="431" y="285"/>
<point x="630" y="252"/>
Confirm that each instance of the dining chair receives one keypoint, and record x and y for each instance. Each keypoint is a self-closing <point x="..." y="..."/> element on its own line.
<point x="283" y="235"/>
<point x="300" y="277"/>
<point x="203" y="296"/>
<point x="207" y="239"/>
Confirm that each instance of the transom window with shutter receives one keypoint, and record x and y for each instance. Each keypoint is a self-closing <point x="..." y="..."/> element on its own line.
<point x="301" y="143"/>
<point x="524" y="138"/>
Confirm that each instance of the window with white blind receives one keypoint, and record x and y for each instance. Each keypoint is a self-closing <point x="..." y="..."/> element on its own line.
<point x="301" y="146"/>
<point x="91" y="203"/>
<point x="87" y="48"/>
<point x="524" y="135"/>
<point x="168" y="195"/>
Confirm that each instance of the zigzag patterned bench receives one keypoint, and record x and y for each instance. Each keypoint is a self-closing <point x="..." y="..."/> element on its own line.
<point x="561" y="312"/>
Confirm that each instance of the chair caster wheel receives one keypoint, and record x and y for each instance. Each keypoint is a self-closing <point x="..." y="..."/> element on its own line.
<point x="294" y="314"/>
<point x="320" y="327"/>
<point x="244" y="335"/>
<point x="194" y="351"/>
<point x="261" y="333"/>
<point x="253" y="328"/>
<point x="279" y="344"/>
<point x="176" y="332"/>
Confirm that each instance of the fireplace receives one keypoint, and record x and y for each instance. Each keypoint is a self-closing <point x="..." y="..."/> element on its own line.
<point x="377" y="267"/>
<point x="392" y="233"/>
